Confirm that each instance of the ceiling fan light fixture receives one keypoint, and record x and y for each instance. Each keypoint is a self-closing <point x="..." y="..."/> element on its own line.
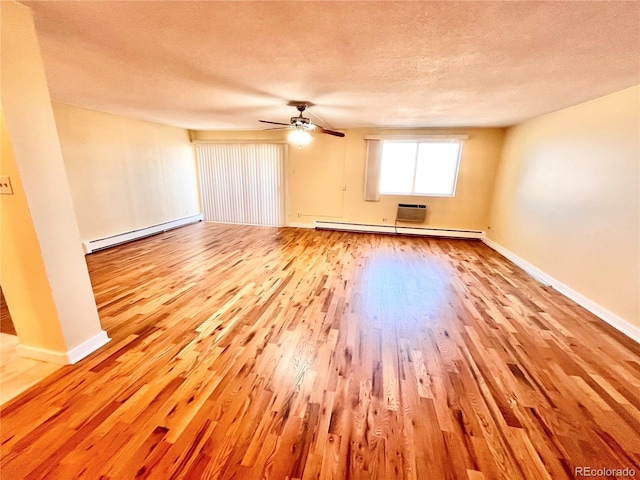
<point x="299" y="137"/>
<point x="301" y="126"/>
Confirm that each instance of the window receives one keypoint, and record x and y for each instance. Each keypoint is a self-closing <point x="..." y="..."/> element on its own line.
<point x="419" y="167"/>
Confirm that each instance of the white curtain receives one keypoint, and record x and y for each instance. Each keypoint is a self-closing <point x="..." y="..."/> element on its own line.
<point x="372" y="171"/>
<point x="242" y="183"/>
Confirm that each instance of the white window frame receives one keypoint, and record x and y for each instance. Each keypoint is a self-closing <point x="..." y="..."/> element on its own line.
<point x="418" y="141"/>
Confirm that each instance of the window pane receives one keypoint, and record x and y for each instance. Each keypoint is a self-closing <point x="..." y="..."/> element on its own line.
<point x="437" y="168"/>
<point x="398" y="161"/>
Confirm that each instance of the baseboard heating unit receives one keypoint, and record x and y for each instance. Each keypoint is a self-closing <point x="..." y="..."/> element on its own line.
<point x="113" y="240"/>
<point x="426" y="232"/>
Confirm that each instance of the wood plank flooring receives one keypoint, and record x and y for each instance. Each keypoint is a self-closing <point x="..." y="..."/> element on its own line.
<point x="262" y="353"/>
<point x="18" y="373"/>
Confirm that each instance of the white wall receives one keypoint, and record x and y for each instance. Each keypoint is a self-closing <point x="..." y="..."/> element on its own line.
<point x="567" y="199"/>
<point x="125" y="174"/>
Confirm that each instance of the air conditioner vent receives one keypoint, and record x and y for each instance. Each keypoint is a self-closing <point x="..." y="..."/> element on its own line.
<point x="411" y="213"/>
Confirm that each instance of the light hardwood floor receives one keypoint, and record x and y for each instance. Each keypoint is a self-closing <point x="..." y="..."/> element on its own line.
<point x="18" y="373"/>
<point x="251" y="353"/>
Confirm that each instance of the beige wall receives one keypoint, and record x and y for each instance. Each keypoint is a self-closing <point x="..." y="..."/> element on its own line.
<point x="318" y="173"/>
<point x="567" y="199"/>
<point x="125" y="174"/>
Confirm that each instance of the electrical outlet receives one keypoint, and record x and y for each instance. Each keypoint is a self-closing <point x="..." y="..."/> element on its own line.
<point x="5" y="186"/>
<point x="384" y="219"/>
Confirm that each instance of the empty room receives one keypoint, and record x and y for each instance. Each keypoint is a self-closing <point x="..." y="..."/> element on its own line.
<point x="320" y="240"/>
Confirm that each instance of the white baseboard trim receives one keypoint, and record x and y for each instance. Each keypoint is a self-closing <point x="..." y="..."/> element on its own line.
<point x="441" y="232"/>
<point x="301" y="225"/>
<point x="101" y="243"/>
<point x="426" y="232"/>
<point x="353" y="227"/>
<point x="598" y="310"/>
<point x="535" y="272"/>
<point x="65" y="358"/>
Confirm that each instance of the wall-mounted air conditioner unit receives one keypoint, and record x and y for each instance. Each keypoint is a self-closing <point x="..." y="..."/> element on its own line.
<point x="411" y="213"/>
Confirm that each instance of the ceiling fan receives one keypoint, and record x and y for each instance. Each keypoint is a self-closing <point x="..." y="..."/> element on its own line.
<point x="302" y="124"/>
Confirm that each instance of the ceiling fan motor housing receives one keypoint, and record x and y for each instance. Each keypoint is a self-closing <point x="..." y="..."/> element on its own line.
<point x="300" y="120"/>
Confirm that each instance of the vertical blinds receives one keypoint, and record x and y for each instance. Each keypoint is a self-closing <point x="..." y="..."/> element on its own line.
<point x="242" y="183"/>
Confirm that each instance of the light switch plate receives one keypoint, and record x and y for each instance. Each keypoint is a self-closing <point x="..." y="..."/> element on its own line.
<point x="5" y="186"/>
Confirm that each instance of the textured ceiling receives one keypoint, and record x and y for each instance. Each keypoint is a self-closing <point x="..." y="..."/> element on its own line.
<point x="224" y="65"/>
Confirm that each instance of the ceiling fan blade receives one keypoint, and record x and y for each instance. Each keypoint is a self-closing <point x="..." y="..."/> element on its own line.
<point x="277" y="128"/>
<point x="329" y="132"/>
<point x="275" y="123"/>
